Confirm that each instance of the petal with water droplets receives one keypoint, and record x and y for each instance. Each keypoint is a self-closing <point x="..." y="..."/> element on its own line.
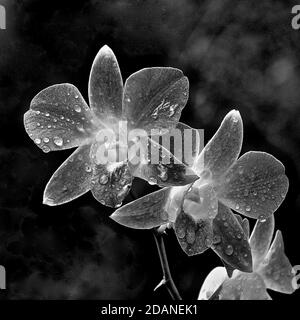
<point x="111" y="183"/>
<point x="106" y="86"/>
<point x="212" y="282"/>
<point x="244" y="286"/>
<point x="255" y="185"/>
<point x="260" y="240"/>
<point x="276" y="269"/>
<point x="59" y="118"/>
<point x="230" y="242"/>
<point x="168" y="157"/>
<point x="224" y="147"/>
<point x="144" y="213"/>
<point x="194" y="237"/>
<point x="154" y="98"/>
<point x="71" y="180"/>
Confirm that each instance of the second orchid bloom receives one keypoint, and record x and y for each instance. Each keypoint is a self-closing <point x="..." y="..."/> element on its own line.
<point x="253" y="185"/>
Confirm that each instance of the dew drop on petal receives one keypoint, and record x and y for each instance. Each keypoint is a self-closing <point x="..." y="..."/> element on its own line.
<point x="46" y="140"/>
<point x="237" y="206"/>
<point x="103" y="179"/>
<point x="37" y="141"/>
<point x="77" y="108"/>
<point x="229" y="250"/>
<point x="46" y="149"/>
<point x="152" y="181"/>
<point x="58" y="141"/>
<point x="248" y="208"/>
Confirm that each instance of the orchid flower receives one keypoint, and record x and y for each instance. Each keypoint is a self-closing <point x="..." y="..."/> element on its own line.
<point x="271" y="270"/>
<point x="59" y="118"/>
<point x="253" y="185"/>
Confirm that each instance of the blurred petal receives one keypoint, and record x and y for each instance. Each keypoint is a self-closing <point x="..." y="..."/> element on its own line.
<point x="224" y="147"/>
<point x="106" y="86"/>
<point x="71" y="180"/>
<point x="244" y="286"/>
<point x="255" y="185"/>
<point x="144" y="213"/>
<point x="168" y="157"/>
<point x="154" y="98"/>
<point x="111" y="183"/>
<point x="260" y="240"/>
<point x="276" y="269"/>
<point x="59" y="118"/>
<point x="230" y="242"/>
<point x="212" y="282"/>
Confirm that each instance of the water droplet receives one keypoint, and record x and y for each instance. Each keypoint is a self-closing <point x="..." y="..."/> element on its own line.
<point x="103" y="179"/>
<point x="248" y="208"/>
<point x="46" y="149"/>
<point x="58" y="141"/>
<point x="262" y="218"/>
<point x="38" y="112"/>
<point x="77" y="108"/>
<point x="76" y="96"/>
<point x="229" y="250"/>
<point x="62" y="117"/>
<point x="208" y="242"/>
<point x="37" y="141"/>
<point x="237" y="206"/>
<point x="216" y="239"/>
<point x="38" y="124"/>
<point x="88" y="168"/>
<point x="47" y="114"/>
<point x="190" y="236"/>
<point x="46" y="140"/>
<point x="180" y="233"/>
<point x="152" y="181"/>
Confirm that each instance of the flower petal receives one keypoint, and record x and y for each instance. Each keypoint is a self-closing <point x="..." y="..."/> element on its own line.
<point x="260" y="239"/>
<point x="255" y="185"/>
<point x="106" y="86"/>
<point x="212" y="282"/>
<point x="244" y="286"/>
<point x="276" y="269"/>
<point x="111" y="183"/>
<point x="246" y="227"/>
<point x="230" y="242"/>
<point x="224" y="147"/>
<point x="194" y="237"/>
<point x="168" y="157"/>
<point x="71" y="180"/>
<point x="154" y="98"/>
<point x="193" y="224"/>
<point x="144" y="213"/>
<point x="59" y="118"/>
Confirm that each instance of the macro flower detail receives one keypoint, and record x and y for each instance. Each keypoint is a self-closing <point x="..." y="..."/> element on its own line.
<point x="271" y="270"/>
<point x="253" y="185"/>
<point x="59" y="118"/>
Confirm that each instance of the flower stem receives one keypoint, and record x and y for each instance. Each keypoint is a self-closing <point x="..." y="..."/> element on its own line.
<point x="167" y="280"/>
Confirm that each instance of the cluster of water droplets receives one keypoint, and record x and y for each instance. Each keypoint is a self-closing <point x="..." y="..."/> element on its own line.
<point x="164" y="107"/>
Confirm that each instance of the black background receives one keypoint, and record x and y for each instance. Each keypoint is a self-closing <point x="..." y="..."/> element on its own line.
<point x="237" y="54"/>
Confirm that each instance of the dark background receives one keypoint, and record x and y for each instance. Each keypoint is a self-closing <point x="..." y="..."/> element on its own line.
<point x="237" y="54"/>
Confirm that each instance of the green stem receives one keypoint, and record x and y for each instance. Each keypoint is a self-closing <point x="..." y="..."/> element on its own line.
<point x="167" y="280"/>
